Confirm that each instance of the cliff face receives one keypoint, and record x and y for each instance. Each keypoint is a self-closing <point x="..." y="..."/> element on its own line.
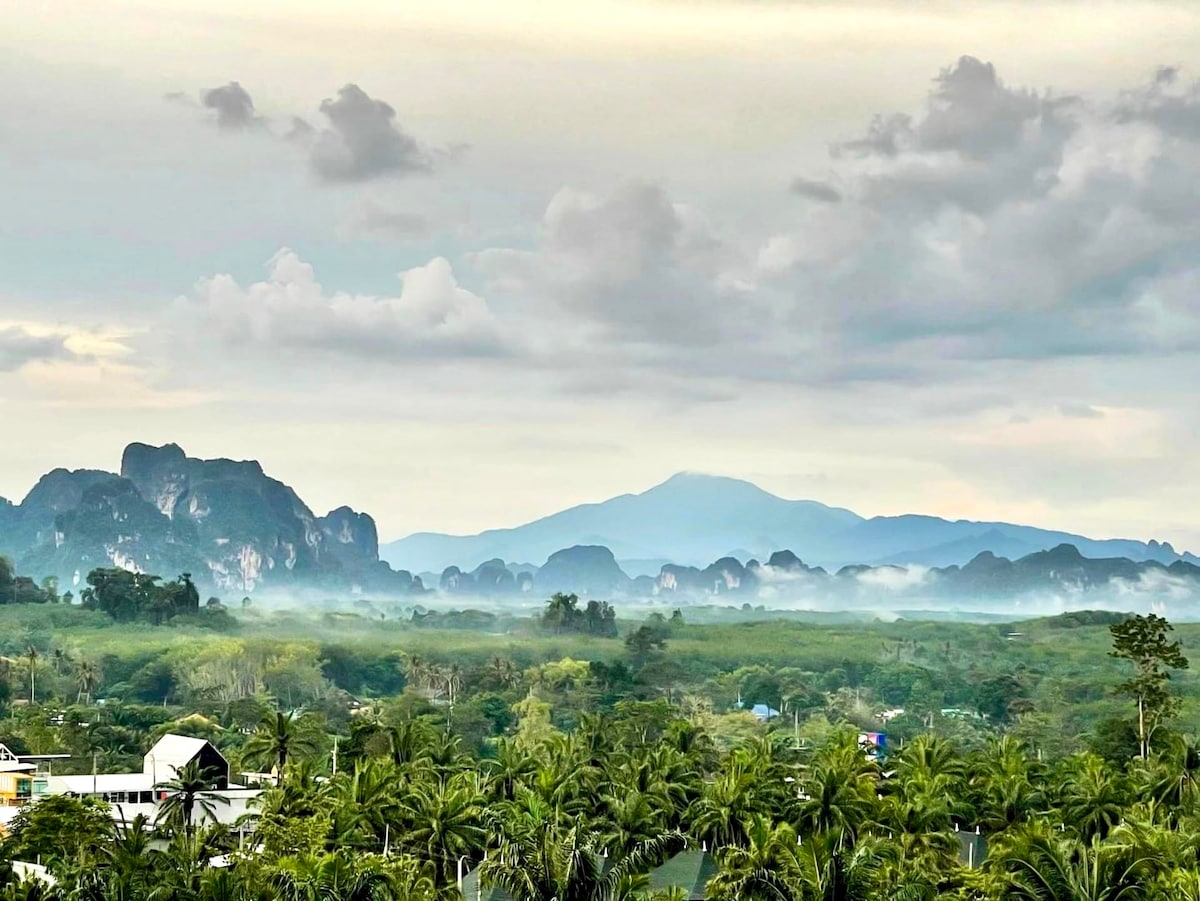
<point x="250" y="527"/>
<point x="225" y="521"/>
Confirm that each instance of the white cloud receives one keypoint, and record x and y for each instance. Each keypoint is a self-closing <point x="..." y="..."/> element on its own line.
<point x="431" y="316"/>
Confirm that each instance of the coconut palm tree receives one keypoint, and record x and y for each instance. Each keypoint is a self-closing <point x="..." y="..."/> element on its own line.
<point x="334" y="876"/>
<point x="541" y="858"/>
<point x="1044" y="866"/>
<point x="444" y="818"/>
<point x="766" y="868"/>
<point x="1092" y="798"/>
<point x="87" y="676"/>
<point x="32" y="655"/>
<point x="503" y="672"/>
<point x="190" y="789"/>
<point x="1002" y="790"/>
<point x="279" y="738"/>
<point x="511" y="769"/>
<point x="839" y="790"/>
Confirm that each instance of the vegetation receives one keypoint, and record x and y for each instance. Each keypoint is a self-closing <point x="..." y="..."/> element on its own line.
<point x="562" y="760"/>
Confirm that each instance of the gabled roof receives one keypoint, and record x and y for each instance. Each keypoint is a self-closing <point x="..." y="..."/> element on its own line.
<point x="688" y="870"/>
<point x="171" y="753"/>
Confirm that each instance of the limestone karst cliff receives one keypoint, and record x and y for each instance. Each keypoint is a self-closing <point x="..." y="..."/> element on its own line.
<point x="225" y="521"/>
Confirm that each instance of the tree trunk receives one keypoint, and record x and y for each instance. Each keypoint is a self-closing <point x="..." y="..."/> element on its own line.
<point x="1142" y="726"/>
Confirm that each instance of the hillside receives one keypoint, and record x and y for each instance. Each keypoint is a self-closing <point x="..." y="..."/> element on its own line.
<point x="693" y="519"/>
<point x="227" y="522"/>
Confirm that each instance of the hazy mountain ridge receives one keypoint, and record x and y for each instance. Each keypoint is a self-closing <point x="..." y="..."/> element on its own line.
<point x="237" y="530"/>
<point x="1056" y="576"/>
<point x="693" y="519"/>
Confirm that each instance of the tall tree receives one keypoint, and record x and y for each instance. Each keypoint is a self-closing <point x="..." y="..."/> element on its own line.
<point x="1144" y="642"/>
<point x="190" y="789"/>
<point x="281" y="737"/>
<point x="87" y="676"/>
<point x="32" y="655"/>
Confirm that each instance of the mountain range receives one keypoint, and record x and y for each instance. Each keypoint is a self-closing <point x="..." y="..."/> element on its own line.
<point x="226" y="522"/>
<point x="693" y="519"/>
<point x="238" y="530"/>
<point x="1061" y="576"/>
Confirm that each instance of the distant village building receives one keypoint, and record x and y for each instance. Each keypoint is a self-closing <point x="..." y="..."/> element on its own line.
<point x="16" y="778"/>
<point x="23" y="778"/>
<point x="764" y="712"/>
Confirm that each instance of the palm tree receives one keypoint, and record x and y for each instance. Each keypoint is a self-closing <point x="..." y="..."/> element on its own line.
<point x="1003" y="791"/>
<point x="1171" y="778"/>
<point x="503" y="672"/>
<point x="32" y="655"/>
<point x="280" y="737"/>
<point x="1043" y="866"/>
<point x="512" y="768"/>
<point x="191" y="788"/>
<point x="410" y="741"/>
<point x="1092" y="798"/>
<point x="727" y="804"/>
<point x="365" y="802"/>
<point x="766" y="868"/>
<point x="334" y="876"/>
<point x="541" y="859"/>
<point x="839" y="790"/>
<point x="445" y="818"/>
<point x="87" y="675"/>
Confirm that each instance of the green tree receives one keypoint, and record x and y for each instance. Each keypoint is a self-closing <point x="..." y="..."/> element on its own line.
<point x="190" y="789"/>
<point x="1143" y="641"/>
<point x="87" y="677"/>
<point x="281" y="737"/>
<point x="57" y="829"/>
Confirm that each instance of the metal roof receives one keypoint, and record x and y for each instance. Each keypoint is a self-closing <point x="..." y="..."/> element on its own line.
<point x="171" y="753"/>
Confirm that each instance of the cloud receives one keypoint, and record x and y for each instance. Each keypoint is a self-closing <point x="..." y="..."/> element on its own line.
<point x="1080" y="411"/>
<point x="105" y="384"/>
<point x="373" y="219"/>
<point x="362" y="140"/>
<point x="816" y="190"/>
<point x="1005" y="223"/>
<point x="894" y="578"/>
<point x="998" y="223"/>
<point x="18" y="346"/>
<point x="432" y="316"/>
<point x="233" y="106"/>
<point x="631" y="263"/>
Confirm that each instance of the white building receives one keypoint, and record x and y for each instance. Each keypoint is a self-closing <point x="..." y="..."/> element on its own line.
<point x="131" y="794"/>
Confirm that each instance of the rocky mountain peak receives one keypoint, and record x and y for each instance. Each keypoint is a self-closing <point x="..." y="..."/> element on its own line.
<point x="168" y="512"/>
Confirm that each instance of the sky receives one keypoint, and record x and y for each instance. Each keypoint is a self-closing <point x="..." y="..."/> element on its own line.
<point x="464" y="264"/>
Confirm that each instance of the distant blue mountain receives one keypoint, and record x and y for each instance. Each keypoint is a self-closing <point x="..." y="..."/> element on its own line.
<point x="693" y="519"/>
